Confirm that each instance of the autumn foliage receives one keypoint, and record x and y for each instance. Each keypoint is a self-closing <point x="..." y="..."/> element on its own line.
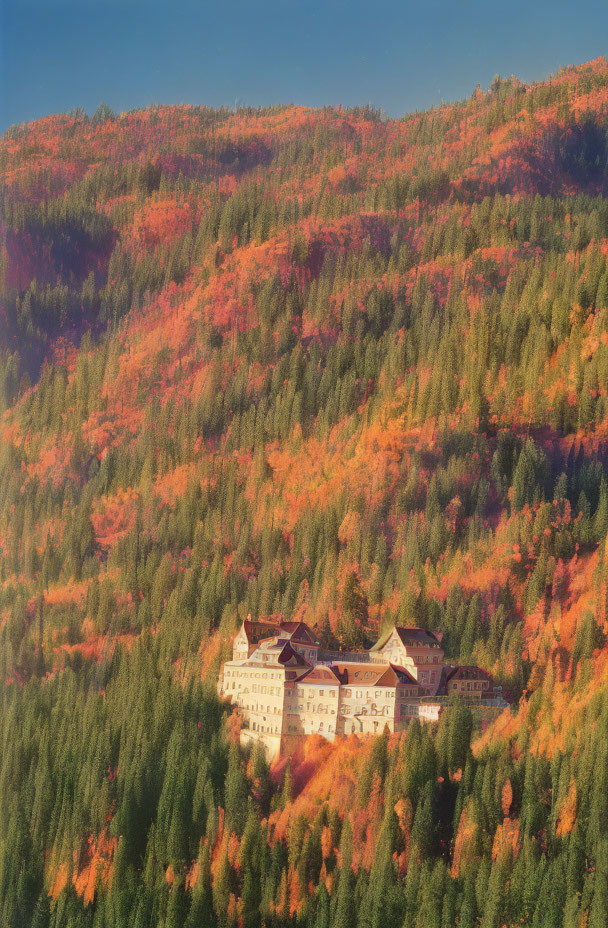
<point x="324" y="364"/>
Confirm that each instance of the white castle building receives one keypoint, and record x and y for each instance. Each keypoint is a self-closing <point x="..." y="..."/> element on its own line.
<point x="285" y="686"/>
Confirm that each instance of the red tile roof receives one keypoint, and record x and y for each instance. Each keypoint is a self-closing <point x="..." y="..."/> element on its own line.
<point x="360" y="673"/>
<point x="416" y="636"/>
<point x="319" y="674"/>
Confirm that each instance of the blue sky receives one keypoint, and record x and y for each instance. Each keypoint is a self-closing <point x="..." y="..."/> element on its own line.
<point x="58" y="54"/>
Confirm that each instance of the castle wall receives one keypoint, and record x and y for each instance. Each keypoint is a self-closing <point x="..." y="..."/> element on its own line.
<point x="259" y="691"/>
<point x="366" y="709"/>
<point x="311" y="708"/>
<point x="272" y="744"/>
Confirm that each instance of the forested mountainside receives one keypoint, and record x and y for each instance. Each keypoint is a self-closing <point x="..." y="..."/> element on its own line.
<point x="334" y="366"/>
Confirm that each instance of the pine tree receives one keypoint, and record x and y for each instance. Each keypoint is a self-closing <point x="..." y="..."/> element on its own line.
<point x="343" y="911"/>
<point x="353" y="614"/>
<point x="236" y="792"/>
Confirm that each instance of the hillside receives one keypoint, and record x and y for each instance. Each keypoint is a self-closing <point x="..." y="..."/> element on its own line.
<point x="256" y="360"/>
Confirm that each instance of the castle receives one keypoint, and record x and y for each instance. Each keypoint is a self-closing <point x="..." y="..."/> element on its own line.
<point x="286" y="686"/>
